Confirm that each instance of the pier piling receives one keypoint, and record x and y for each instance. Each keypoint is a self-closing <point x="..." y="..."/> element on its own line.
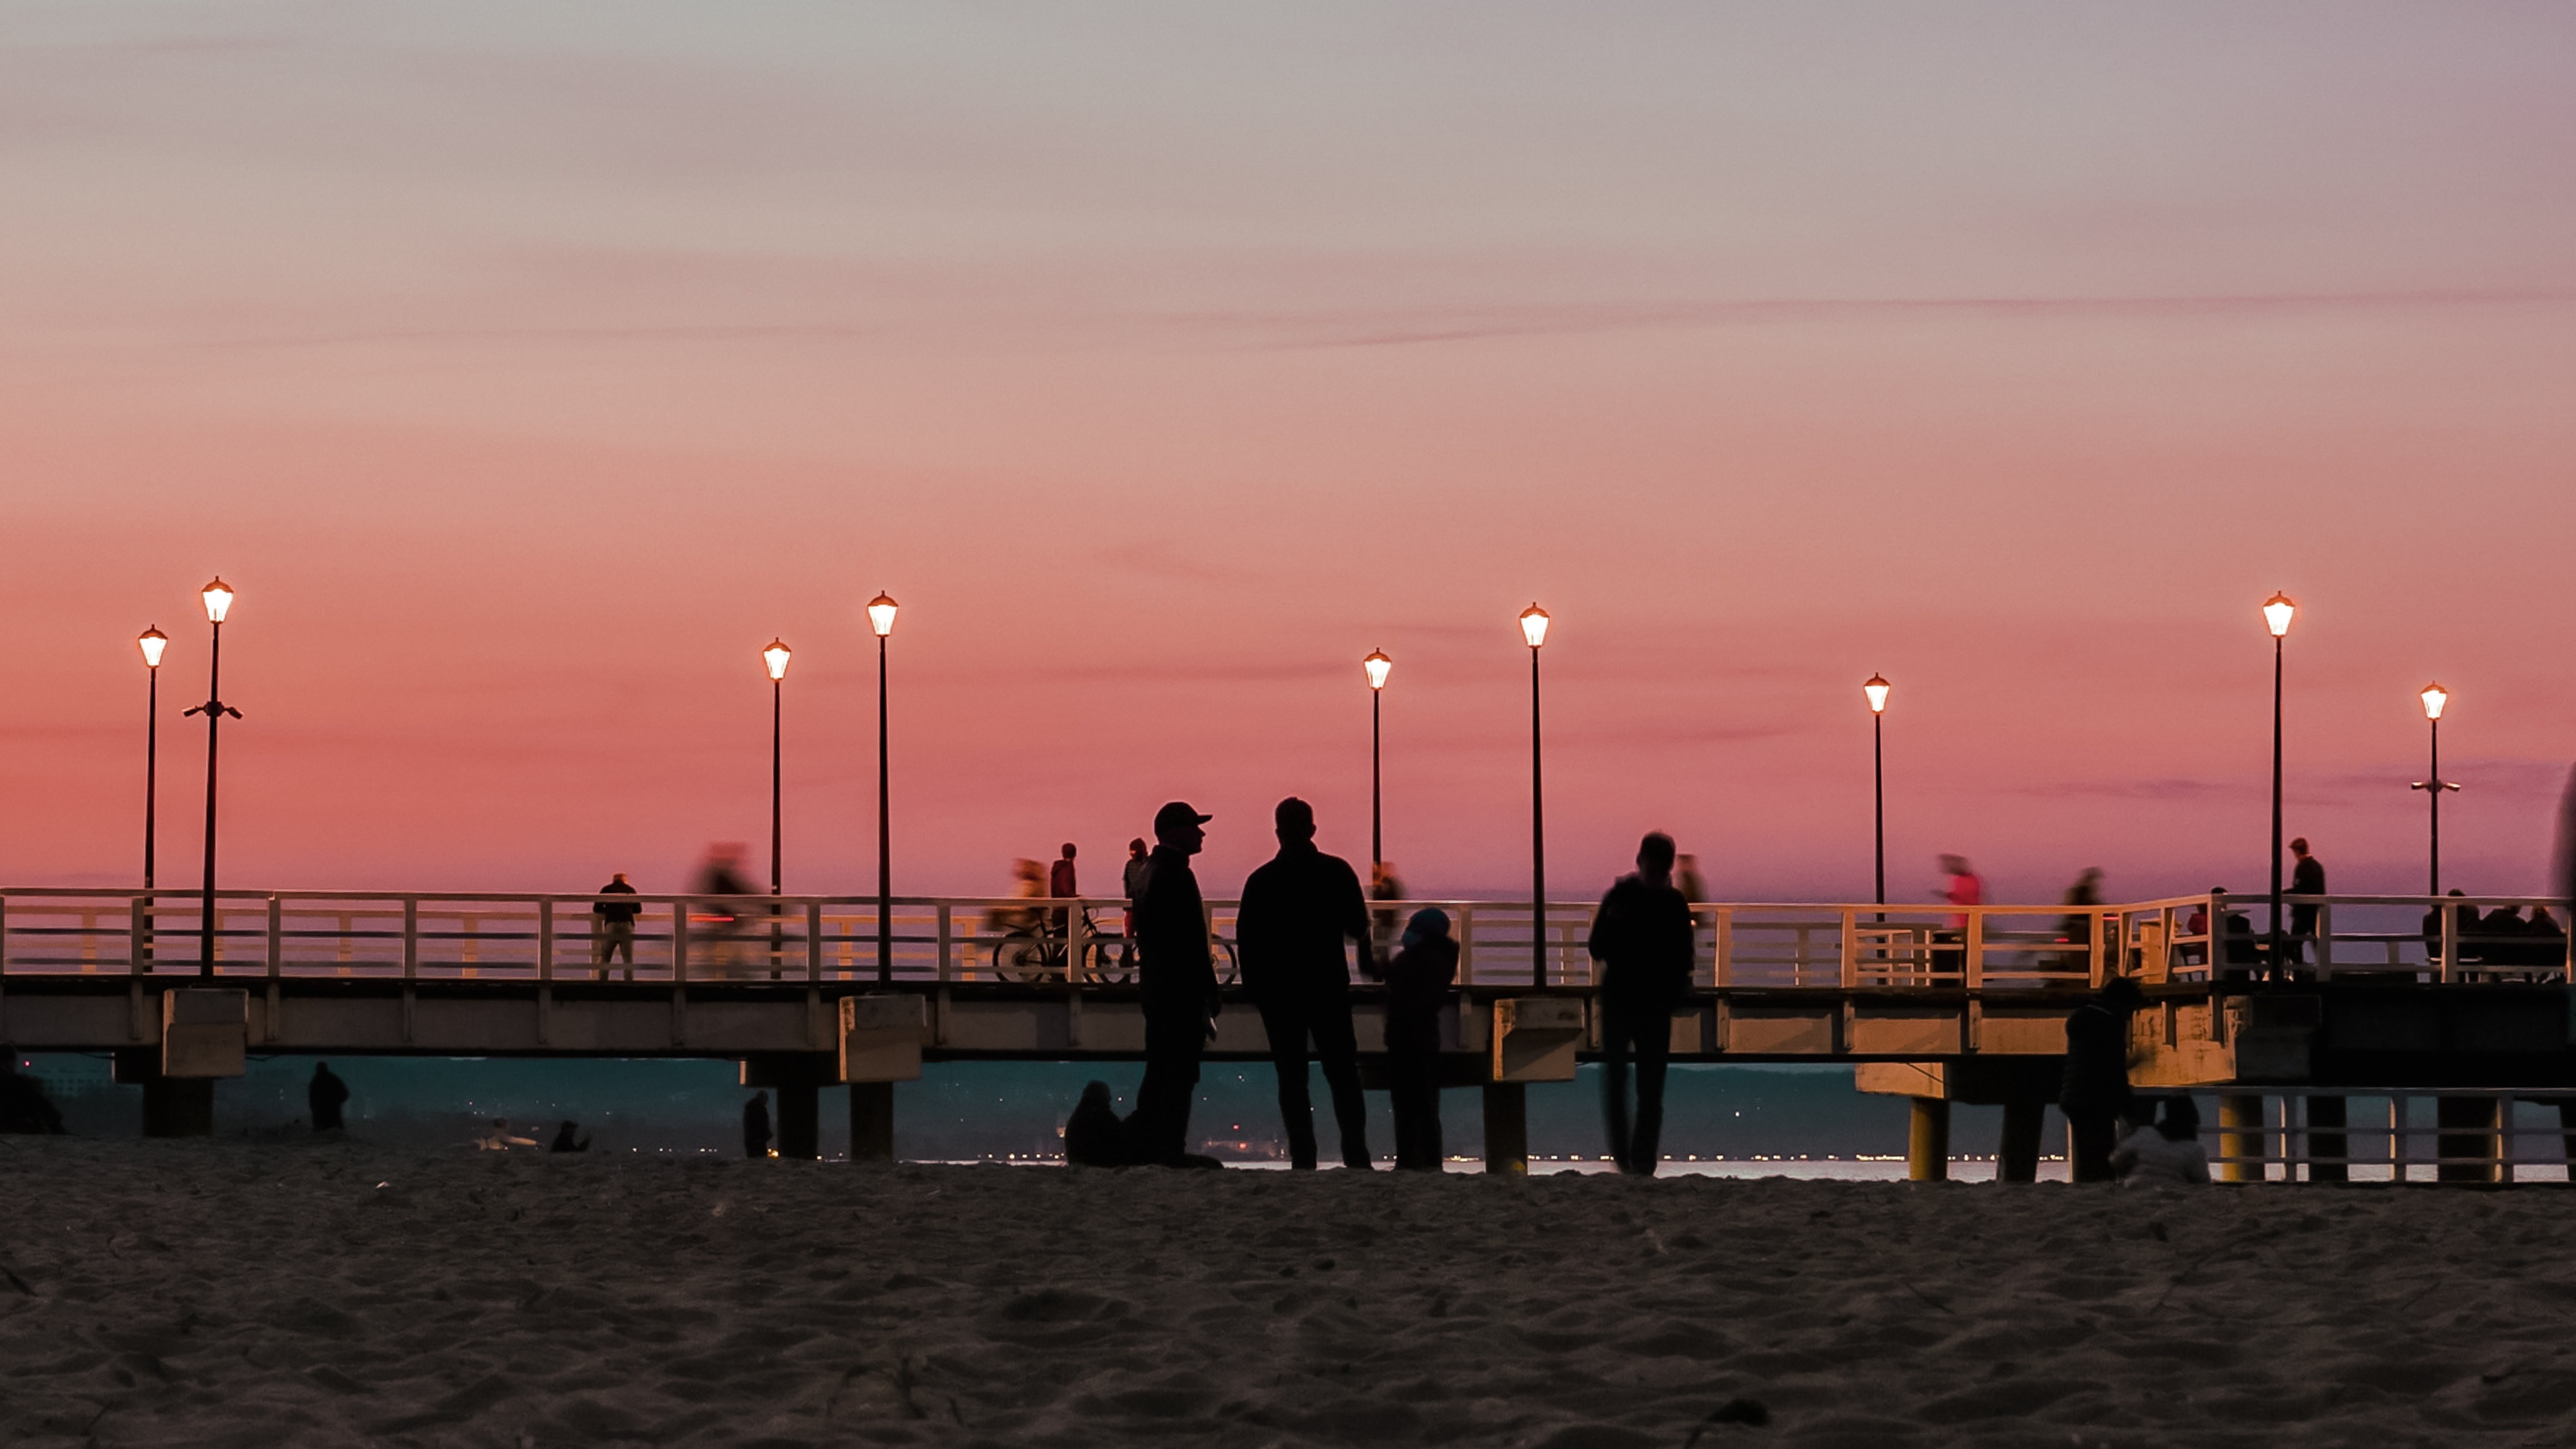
<point x="1507" y="1128"/>
<point x="2017" y="1156"/>
<point x="1927" y="1141"/>
<point x="872" y="1121"/>
<point x="2240" y="1135"/>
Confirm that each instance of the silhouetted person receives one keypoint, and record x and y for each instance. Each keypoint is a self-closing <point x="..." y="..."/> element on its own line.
<point x="568" y="1140"/>
<point x="2167" y="1153"/>
<point x="2307" y="878"/>
<point x="2500" y="936"/>
<point x="23" y="1104"/>
<point x="1960" y="886"/>
<point x="2544" y="941"/>
<point x="1062" y="885"/>
<point x="1417" y="988"/>
<point x="1176" y="981"/>
<point x="612" y="931"/>
<point x="1093" y="1135"/>
<point x="326" y="1094"/>
<point x="1132" y="880"/>
<point x="1298" y="910"/>
<point x="755" y="1125"/>
<point x="1643" y="939"/>
<point x="2075" y="928"/>
<point x="2095" y="1091"/>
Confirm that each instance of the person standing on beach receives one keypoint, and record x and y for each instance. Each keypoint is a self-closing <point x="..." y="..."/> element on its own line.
<point x="1176" y="979"/>
<point x="326" y="1094"/>
<point x="2307" y="878"/>
<point x="1298" y="910"/>
<point x="755" y="1125"/>
<point x="613" y="927"/>
<point x="1643" y="939"/>
<point x="1417" y="987"/>
<point x="2095" y="1091"/>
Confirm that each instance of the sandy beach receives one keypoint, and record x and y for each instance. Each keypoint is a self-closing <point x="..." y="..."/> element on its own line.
<point x="224" y="1293"/>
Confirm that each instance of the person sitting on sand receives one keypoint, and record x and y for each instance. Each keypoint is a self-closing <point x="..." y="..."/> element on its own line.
<point x="2167" y="1154"/>
<point x="326" y="1095"/>
<point x="566" y="1141"/>
<point x="23" y="1105"/>
<point x="501" y="1138"/>
<point x="1093" y="1135"/>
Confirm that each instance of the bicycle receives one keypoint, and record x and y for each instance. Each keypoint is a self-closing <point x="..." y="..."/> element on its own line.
<point x="1029" y="954"/>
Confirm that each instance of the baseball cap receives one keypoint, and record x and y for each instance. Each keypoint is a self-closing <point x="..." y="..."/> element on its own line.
<point x="1176" y="814"/>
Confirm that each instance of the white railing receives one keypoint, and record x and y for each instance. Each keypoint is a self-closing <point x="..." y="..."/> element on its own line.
<point x="812" y="939"/>
<point x="2385" y="1134"/>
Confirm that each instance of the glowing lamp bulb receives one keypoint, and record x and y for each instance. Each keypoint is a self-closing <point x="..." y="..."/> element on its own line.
<point x="881" y="614"/>
<point x="1876" y="688"/>
<point x="2435" y="696"/>
<point x="152" y="642"/>
<point x="2276" y="614"/>
<point x="219" y="600"/>
<point x="775" y="657"/>
<point x="1534" y="625"/>
<point x="1378" y="667"/>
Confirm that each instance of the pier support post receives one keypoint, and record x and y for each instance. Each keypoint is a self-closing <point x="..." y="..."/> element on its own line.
<point x="172" y="1106"/>
<point x="2017" y="1156"/>
<point x="2567" y="1132"/>
<point x="2469" y="1130"/>
<point x="872" y="1121"/>
<point x="2240" y="1134"/>
<point x="1927" y="1141"/>
<point x="1506" y="1128"/>
<point x="799" y="1126"/>
<point x="2329" y="1149"/>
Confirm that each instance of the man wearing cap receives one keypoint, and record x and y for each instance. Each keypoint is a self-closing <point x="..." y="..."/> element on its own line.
<point x="1298" y="910"/>
<point x="1178" y="983"/>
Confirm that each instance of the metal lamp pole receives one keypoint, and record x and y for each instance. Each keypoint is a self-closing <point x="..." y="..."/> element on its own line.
<point x="2435" y="697"/>
<point x="775" y="659"/>
<point x="1876" y="688"/>
<point x="152" y="641"/>
<point x="219" y="601"/>
<point x="1378" y="666"/>
<point x="2277" y="613"/>
<point x="1534" y="631"/>
<point x="881" y="611"/>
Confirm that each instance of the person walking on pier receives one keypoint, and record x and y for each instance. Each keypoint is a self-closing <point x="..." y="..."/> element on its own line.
<point x="755" y="1126"/>
<point x="612" y="931"/>
<point x="1062" y="885"/>
<point x="1417" y="987"/>
<point x="1298" y="910"/>
<point x="2095" y="1091"/>
<point x="1643" y="939"/>
<point x="1177" y="980"/>
<point x="326" y="1094"/>
<point x="2307" y="878"/>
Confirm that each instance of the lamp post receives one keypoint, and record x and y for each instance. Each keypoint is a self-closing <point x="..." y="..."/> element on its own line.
<point x="1534" y="632"/>
<point x="775" y="659"/>
<point x="219" y="602"/>
<point x="881" y="610"/>
<point x="151" y="641"/>
<point x="1378" y="666"/>
<point x="1876" y="688"/>
<point x="2277" y="613"/>
<point x="2435" y="697"/>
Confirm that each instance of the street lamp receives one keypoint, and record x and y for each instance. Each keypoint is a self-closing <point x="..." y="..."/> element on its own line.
<point x="151" y="641"/>
<point x="2277" y="613"/>
<point x="1377" y="666"/>
<point x="219" y="602"/>
<point x="1876" y="688"/>
<point x="2435" y="697"/>
<point x="881" y="610"/>
<point x="775" y="659"/>
<point x="1534" y="631"/>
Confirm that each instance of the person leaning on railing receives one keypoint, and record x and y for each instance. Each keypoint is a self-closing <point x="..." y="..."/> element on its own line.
<point x="614" y="930"/>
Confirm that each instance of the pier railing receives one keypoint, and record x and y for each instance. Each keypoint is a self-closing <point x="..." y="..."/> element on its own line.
<point x="1080" y="944"/>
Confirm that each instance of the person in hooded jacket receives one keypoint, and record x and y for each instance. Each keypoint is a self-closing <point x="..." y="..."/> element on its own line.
<point x="1417" y="988"/>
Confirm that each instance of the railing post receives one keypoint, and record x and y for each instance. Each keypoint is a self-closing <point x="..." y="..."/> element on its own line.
<point x="2101" y="964"/>
<point x="1466" y="944"/>
<point x="1973" y="949"/>
<point x="2325" y="940"/>
<point x="947" y="941"/>
<point x="411" y="939"/>
<point x="813" y="943"/>
<point x="1077" y="938"/>
<point x="2450" y="944"/>
<point x="276" y="937"/>
<point x="546" y="940"/>
<point x="140" y="954"/>
<point x="1851" y="950"/>
<point x="1722" y="971"/>
<point x="679" y="941"/>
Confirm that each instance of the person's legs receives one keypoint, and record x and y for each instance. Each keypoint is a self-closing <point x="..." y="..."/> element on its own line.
<point x="1284" y="1020"/>
<point x="2088" y="1143"/>
<point x="1337" y="1046"/>
<point x="1652" y="1031"/>
<point x="1173" y="1041"/>
<point x="1401" y="1071"/>
<point x="1614" y="1083"/>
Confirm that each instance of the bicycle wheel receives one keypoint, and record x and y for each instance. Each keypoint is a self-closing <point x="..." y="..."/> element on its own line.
<point x="1105" y="962"/>
<point x="1222" y="957"/>
<point x="1020" y="957"/>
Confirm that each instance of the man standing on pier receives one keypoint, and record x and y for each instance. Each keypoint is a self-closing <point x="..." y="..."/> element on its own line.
<point x="2307" y="878"/>
<point x="1297" y="912"/>
<point x="1177" y="980"/>
<point x="1643" y="939"/>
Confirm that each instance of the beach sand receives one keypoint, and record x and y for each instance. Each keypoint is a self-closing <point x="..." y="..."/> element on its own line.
<point x="229" y="1293"/>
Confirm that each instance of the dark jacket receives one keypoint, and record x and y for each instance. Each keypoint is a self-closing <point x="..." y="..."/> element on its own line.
<point x="2307" y="878"/>
<point x="615" y="913"/>
<point x="1173" y="968"/>
<point x="326" y="1094"/>
<point x="1642" y="935"/>
<point x="1298" y="910"/>
<point x="2097" y="1060"/>
<point x="1417" y="987"/>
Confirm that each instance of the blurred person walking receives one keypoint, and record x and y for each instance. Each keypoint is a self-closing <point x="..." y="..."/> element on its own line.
<point x="612" y="931"/>
<point x="1132" y="880"/>
<point x="2165" y="1153"/>
<point x="1642" y="937"/>
<point x="2095" y="1090"/>
<point x="1298" y="909"/>
<point x="2075" y="928"/>
<point x="755" y="1126"/>
<point x="1417" y="988"/>
<point x="2307" y="878"/>
<point x="1961" y="886"/>
<point x="1384" y="885"/>
<point x="326" y="1094"/>
<point x="1177" y="985"/>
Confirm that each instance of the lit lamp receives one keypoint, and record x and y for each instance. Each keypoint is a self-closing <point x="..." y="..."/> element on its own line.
<point x="1534" y="631"/>
<point x="1876" y="688"/>
<point x="218" y="598"/>
<point x="2435" y="697"/>
<point x="881" y="612"/>
<point x="2277" y="613"/>
<point x="775" y="659"/>
<point x="151" y="641"/>
<point x="1377" y="666"/>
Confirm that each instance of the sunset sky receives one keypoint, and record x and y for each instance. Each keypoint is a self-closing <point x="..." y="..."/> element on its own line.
<point x="527" y="367"/>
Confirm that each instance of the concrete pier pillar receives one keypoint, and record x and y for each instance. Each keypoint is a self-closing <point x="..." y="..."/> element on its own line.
<point x="172" y="1106"/>
<point x="799" y="1124"/>
<point x="2469" y="1130"/>
<point x="1506" y="1128"/>
<point x="2240" y="1134"/>
<point x="872" y="1121"/>
<point x="2329" y="1149"/>
<point x="1927" y="1141"/>
<point x="2017" y="1156"/>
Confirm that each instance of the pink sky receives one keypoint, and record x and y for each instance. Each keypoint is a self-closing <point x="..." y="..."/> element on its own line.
<point x="526" y="368"/>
